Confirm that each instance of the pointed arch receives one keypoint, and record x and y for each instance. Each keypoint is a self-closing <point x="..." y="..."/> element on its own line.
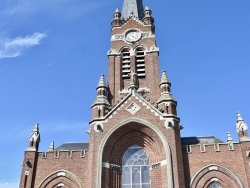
<point x="125" y="48"/>
<point x="61" y="177"/>
<point x="140" y="46"/>
<point x="215" y="183"/>
<point x="211" y="172"/>
<point x="121" y="150"/>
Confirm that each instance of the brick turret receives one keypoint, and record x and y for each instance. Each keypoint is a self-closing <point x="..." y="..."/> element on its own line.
<point x="30" y="159"/>
<point x="101" y="105"/>
<point x="241" y="127"/>
<point x="166" y="102"/>
<point x="148" y="19"/>
<point x="116" y="22"/>
<point x="34" y="139"/>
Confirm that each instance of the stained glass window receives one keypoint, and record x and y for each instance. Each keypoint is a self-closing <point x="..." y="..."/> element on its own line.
<point x="135" y="168"/>
<point x="214" y="184"/>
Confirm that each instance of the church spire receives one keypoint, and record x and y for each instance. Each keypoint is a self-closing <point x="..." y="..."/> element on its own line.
<point x="132" y="8"/>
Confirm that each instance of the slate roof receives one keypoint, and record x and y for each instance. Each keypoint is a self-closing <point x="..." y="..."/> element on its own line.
<point x="194" y="140"/>
<point x="73" y="146"/>
<point x="132" y="6"/>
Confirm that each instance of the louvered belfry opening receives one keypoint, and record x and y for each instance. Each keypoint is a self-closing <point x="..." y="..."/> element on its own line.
<point x="125" y="64"/>
<point x="140" y="63"/>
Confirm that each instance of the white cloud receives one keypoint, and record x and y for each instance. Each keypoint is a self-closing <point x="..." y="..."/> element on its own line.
<point x="15" y="7"/>
<point x="5" y="184"/>
<point x="14" y="10"/>
<point x="30" y="6"/>
<point x="15" y="47"/>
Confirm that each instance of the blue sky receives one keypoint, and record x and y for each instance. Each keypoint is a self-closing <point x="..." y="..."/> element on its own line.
<point x="53" y="52"/>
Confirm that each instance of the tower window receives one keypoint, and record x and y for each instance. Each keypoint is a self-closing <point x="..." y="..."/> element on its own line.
<point x="135" y="168"/>
<point x="140" y="63"/>
<point x="125" y="64"/>
<point x="99" y="112"/>
<point x="32" y="142"/>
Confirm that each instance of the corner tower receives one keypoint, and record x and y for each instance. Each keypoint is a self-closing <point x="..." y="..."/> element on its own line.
<point x="133" y="50"/>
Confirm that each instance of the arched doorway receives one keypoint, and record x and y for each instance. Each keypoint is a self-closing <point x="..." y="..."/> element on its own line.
<point x="127" y="135"/>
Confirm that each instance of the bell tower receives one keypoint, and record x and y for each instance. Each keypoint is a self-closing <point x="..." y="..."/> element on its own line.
<point x="135" y="111"/>
<point x="133" y="52"/>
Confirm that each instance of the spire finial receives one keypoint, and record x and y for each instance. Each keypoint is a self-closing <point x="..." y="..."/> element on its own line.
<point x="229" y="137"/>
<point x="164" y="78"/>
<point x="239" y="117"/>
<point x="101" y="82"/>
<point x="51" y="146"/>
<point x="36" y="128"/>
<point x="130" y="6"/>
<point x="241" y="126"/>
<point x="117" y="18"/>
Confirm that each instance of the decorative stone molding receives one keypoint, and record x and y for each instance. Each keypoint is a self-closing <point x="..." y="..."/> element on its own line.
<point x="116" y="168"/>
<point x="167" y="154"/>
<point x="133" y="108"/>
<point x="204" y="175"/>
<point x="61" y="174"/>
<point x="155" y="166"/>
<point x="52" y="179"/>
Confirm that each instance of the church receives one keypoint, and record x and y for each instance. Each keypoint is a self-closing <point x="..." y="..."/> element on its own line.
<point x="135" y="132"/>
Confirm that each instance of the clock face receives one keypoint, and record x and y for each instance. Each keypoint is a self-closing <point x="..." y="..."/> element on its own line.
<point x="133" y="36"/>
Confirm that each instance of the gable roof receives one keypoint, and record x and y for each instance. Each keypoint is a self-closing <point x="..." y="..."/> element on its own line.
<point x="195" y="140"/>
<point x="73" y="146"/>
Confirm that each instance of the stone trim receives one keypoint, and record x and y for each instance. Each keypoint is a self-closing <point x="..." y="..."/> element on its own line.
<point x="98" y="181"/>
<point x="61" y="173"/>
<point x="214" y="167"/>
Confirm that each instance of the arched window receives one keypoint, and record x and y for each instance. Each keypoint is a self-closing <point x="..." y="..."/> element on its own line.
<point x="135" y="168"/>
<point x="125" y="63"/>
<point x="214" y="184"/>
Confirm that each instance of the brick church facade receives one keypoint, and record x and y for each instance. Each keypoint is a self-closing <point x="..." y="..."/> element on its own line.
<point x="134" y="132"/>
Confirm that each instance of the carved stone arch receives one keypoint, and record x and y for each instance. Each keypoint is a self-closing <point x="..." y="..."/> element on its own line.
<point x="138" y="128"/>
<point x="221" y="182"/>
<point x="125" y="48"/>
<point x="61" y="177"/>
<point x="209" y="173"/>
<point x="140" y="47"/>
<point x="131" y="134"/>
